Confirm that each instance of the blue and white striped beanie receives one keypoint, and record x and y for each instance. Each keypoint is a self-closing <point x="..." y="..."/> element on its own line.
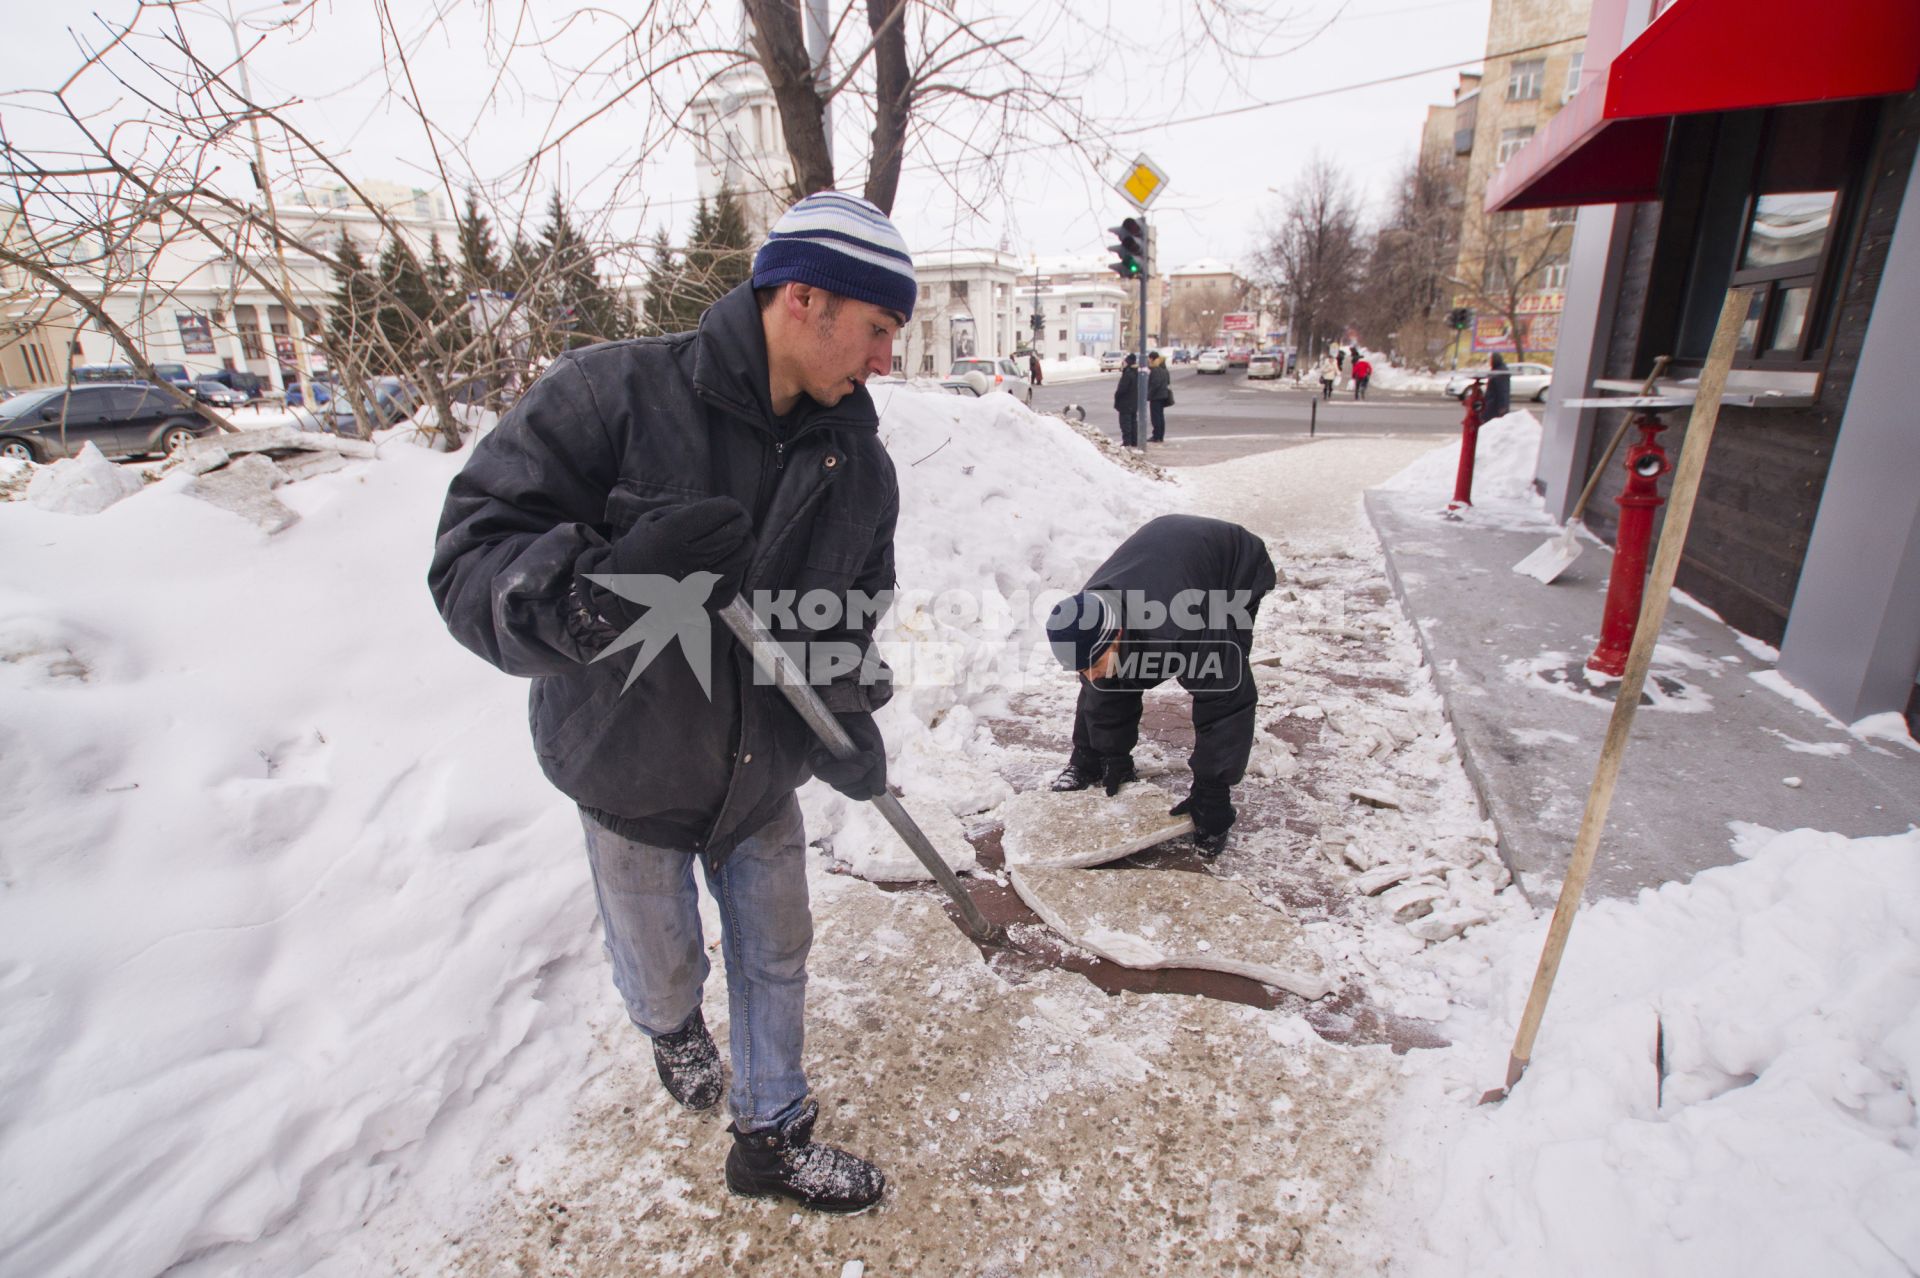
<point x="842" y="244"/>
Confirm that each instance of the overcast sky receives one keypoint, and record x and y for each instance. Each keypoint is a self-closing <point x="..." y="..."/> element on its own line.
<point x="1125" y="59"/>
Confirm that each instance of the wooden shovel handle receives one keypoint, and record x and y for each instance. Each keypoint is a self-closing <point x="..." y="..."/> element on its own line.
<point x="1653" y="612"/>
<point x="1593" y="480"/>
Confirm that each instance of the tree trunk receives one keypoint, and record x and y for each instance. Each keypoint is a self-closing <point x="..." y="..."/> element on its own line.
<point x="893" y="100"/>
<point x="782" y="50"/>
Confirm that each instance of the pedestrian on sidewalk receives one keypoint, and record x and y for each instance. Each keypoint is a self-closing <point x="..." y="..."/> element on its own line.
<point x="1126" y="402"/>
<point x="1159" y="395"/>
<point x="1176" y="600"/>
<point x="1499" y="400"/>
<point x="1329" y="374"/>
<point x="1362" y="373"/>
<point x="700" y="462"/>
<point x="1033" y="368"/>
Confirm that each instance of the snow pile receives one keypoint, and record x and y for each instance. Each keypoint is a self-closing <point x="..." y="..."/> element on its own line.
<point x="983" y="536"/>
<point x="1079" y="368"/>
<point x="1505" y="455"/>
<point x="85" y="484"/>
<point x="1503" y="461"/>
<point x="1394" y="378"/>
<point x="1783" y="1140"/>
<point x="288" y="905"/>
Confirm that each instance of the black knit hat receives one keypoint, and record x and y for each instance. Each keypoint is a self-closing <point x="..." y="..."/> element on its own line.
<point x="1080" y="627"/>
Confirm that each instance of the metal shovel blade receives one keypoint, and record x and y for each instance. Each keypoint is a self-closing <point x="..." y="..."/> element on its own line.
<point x="1551" y="558"/>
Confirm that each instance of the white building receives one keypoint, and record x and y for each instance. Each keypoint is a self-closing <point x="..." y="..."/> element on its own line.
<point x="970" y="304"/>
<point x="188" y="300"/>
<point x="1087" y="308"/>
<point x="739" y="144"/>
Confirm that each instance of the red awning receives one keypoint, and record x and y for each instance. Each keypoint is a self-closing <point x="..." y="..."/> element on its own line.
<point x="1606" y="146"/>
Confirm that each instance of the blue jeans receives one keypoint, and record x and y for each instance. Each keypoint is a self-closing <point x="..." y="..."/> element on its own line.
<point x="650" y="914"/>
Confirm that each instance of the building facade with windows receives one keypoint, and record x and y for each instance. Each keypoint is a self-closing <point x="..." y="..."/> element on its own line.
<point x="969" y="308"/>
<point x="188" y="300"/>
<point x="1766" y="151"/>
<point x="1511" y="267"/>
<point x="739" y="144"/>
<point x="38" y="327"/>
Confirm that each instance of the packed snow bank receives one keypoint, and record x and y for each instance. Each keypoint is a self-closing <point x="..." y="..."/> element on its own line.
<point x="285" y="899"/>
<point x="1783" y="1140"/>
<point x="984" y="534"/>
<point x="1080" y="368"/>
<point x="1505" y="454"/>
<point x="1394" y="378"/>
<point x="84" y="484"/>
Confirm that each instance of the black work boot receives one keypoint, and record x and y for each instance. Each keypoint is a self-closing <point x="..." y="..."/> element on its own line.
<point x="689" y="1064"/>
<point x="1082" y="770"/>
<point x="783" y="1162"/>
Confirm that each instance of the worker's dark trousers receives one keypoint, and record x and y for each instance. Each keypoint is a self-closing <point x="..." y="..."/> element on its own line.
<point x="1157" y="410"/>
<point x="1129" y="428"/>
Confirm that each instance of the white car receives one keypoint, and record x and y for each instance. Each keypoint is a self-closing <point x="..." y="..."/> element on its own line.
<point x="1263" y="366"/>
<point x="1001" y="372"/>
<point x="1211" y="361"/>
<point x="1530" y="381"/>
<point x="1113" y="361"/>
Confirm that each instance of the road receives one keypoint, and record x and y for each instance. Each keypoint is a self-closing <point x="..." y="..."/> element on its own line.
<point x="1222" y="416"/>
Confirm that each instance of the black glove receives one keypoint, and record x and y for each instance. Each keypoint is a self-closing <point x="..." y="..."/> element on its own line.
<point x="713" y="534"/>
<point x="1115" y="771"/>
<point x="1212" y="814"/>
<point x="863" y="774"/>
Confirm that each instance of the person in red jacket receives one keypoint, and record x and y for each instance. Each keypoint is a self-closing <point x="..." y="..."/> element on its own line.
<point x="1362" y="370"/>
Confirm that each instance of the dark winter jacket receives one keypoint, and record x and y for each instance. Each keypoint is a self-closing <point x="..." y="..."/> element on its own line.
<point x="1125" y="395"/>
<point x="610" y="432"/>
<point x="1499" y="401"/>
<point x="1159" y="384"/>
<point x="1169" y="557"/>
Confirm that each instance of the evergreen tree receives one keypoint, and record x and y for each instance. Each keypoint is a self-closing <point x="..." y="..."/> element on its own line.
<point x="479" y="258"/>
<point x="662" y="308"/>
<point x="577" y="305"/>
<point x="719" y="252"/>
<point x="350" y="315"/>
<point x="406" y="309"/>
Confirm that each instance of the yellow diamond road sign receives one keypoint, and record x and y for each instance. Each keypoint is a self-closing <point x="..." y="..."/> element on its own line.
<point x="1143" y="181"/>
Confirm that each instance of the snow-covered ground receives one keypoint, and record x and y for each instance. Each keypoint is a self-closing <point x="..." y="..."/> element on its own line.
<point x="299" y="970"/>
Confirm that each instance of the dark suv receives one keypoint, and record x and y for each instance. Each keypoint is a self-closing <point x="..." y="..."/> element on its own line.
<point x="121" y="419"/>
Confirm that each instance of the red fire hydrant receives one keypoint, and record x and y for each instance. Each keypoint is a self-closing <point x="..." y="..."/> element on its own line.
<point x="1475" y="399"/>
<point x="1646" y="462"/>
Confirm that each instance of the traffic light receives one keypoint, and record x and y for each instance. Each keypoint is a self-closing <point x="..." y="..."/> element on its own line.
<point x="1459" y="318"/>
<point x="1131" y="250"/>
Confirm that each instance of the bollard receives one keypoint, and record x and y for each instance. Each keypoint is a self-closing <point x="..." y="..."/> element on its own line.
<point x="1646" y="462"/>
<point x="1475" y="399"/>
<point x="1313" y="416"/>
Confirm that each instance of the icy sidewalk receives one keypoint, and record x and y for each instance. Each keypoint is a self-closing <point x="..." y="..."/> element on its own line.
<point x="1722" y="742"/>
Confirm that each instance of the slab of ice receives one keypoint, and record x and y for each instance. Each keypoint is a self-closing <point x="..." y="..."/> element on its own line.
<point x="1171" y="918"/>
<point x="1086" y="827"/>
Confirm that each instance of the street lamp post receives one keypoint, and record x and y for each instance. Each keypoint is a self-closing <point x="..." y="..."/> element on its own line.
<point x="294" y="322"/>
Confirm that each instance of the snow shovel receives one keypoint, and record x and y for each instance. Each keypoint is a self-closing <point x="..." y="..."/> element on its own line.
<point x="778" y="665"/>
<point x="1555" y="555"/>
<point x="1653" y="612"/>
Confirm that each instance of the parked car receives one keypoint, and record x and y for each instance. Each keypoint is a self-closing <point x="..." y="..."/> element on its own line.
<point x="1112" y="361"/>
<point x="1006" y="375"/>
<point x="1530" y="381"/>
<point x="1238" y="357"/>
<point x="218" y="394"/>
<point x="250" y="385"/>
<point x="1264" y="367"/>
<point x="322" y="384"/>
<point x="121" y="419"/>
<point x="1212" y="360"/>
<point x="969" y="384"/>
<point x="394" y="400"/>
